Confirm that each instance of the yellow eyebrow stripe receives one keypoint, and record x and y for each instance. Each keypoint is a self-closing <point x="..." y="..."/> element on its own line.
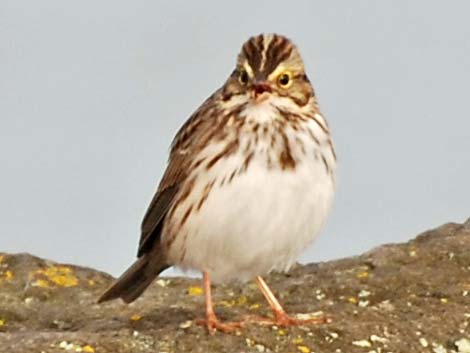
<point x="248" y="69"/>
<point x="279" y="69"/>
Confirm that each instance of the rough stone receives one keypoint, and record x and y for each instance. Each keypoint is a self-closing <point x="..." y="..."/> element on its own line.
<point x="412" y="297"/>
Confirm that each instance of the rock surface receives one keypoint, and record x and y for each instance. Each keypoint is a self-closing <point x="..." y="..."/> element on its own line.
<point x="412" y="297"/>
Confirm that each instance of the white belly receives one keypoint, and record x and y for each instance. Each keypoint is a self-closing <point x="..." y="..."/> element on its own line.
<point x="266" y="215"/>
<point x="259" y="222"/>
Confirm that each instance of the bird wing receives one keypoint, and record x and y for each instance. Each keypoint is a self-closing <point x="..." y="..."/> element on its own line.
<point x="197" y="129"/>
<point x="162" y="201"/>
<point x="151" y="225"/>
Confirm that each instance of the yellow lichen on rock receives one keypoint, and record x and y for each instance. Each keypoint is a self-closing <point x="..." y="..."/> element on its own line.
<point x="88" y="349"/>
<point x="2" y="322"/>
<point x="60" y="275"/>
<point x="242" y="300"/>
<point x="352" y="300"/>
<point x="363" y="274"/>
<point x="6" y="275"/>
<point x="226" y="303"/>
<point x="303" y="349"/>
<point x="195" y="291"/>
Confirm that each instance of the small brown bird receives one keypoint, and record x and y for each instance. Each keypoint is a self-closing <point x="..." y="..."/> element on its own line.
<point x="249" y="182"/>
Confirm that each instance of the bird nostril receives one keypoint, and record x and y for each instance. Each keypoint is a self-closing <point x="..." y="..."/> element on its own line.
<point x="260" y="88"/>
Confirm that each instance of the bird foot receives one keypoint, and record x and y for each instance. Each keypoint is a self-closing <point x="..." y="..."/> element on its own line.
<point x="284" y="320"/>
<point x="213" y="324"/>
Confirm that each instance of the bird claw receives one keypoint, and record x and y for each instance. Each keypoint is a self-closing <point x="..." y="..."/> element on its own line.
<point x="213" y="324"/>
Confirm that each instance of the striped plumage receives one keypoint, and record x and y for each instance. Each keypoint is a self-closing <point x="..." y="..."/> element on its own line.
<point x="250" y="177"/>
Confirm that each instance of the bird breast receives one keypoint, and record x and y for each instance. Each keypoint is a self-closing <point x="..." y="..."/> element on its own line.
<point x="254" y="209"/>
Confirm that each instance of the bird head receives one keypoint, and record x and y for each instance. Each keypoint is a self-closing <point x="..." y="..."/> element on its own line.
<point x="269" y="65"/>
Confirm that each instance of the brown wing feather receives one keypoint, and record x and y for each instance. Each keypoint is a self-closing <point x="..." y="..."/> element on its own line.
<point x="151" y="225"/>
<point x="181" y="156"/>
<point x="161" y="202"/>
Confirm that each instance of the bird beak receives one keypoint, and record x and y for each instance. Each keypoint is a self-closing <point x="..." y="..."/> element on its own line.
<point x="259" y="90"/>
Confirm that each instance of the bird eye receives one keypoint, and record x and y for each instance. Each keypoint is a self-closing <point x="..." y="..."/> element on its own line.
<point x="284" y="80"/>
<point x="243" y="77"/>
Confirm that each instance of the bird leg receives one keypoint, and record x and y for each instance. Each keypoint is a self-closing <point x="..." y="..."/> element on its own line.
<point x="212" y="322"/>
<point x="281" y="318"/>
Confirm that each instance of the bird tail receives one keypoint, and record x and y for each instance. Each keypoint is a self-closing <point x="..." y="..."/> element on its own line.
<point x="136" y="279"/>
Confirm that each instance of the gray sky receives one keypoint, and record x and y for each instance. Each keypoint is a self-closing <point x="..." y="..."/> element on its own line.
<point x="91" y="94"/>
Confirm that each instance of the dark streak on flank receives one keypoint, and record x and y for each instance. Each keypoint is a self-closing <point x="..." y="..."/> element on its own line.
<point x="327" y="167"/>
<point x="186" y="215"/>
<point x="325" y="130"/>
<point x="248" y="146"/>
<point x="169" y="240"/>
<point x="206" y="192"/>
<point x="187" y="191"/>
<point x="285" y="158"/>
<point x="204" y="197"/>
<point x="227" y="151"/>
<point x="273" y="141"/>
<point x="222" y="182"/>
<point x="247" y="161"/>
<point x="312" y="135"/>
<point x="214" y="129"/>
<point x="232" y="175"/>
<point x="333" y="152"/>
<point x="316" y="153"/>
<point x="184" y="195"/>
<point x="183" y="248"/>
<point x="265" y="130"/>
<point x="198" y="163"/>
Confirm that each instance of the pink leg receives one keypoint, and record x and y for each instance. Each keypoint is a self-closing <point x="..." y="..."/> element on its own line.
<point x="281" y="318"/>
<point x="212" y="322"/>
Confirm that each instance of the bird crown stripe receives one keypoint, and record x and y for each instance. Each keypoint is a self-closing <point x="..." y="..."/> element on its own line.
<point x="265" y="52"/>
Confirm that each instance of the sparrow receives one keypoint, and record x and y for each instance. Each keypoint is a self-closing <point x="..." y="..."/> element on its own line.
<point x="248" y="186"/>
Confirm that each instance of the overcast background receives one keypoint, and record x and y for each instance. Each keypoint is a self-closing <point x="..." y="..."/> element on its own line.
<point x="92" y="92"/>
